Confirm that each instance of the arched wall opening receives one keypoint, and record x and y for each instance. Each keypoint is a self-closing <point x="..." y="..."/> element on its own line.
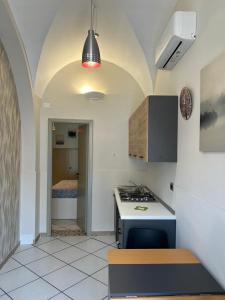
<point x="27" y="105"/>
<point x="63" y="99"/>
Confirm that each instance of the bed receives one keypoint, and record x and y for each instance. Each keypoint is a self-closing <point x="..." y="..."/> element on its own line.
<point x="64" y="199"/>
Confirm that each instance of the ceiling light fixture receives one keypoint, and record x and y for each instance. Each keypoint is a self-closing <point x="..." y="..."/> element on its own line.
<point x="95" y="96"/>
<point x="91" y="54"/>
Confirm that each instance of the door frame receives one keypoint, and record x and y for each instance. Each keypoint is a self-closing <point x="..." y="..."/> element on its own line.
<point x="88" y="212"/>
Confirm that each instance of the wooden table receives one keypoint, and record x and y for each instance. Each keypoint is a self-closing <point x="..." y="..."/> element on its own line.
<point x="158" y="256"/>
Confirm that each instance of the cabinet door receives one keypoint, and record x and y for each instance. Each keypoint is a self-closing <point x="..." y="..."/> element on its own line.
<point x="163" y="128"/>
<point x="131" y="136"/>
<point x="133" y="149"/>
<point x="138" y="132"/>
<point x="142" y="131"/>
<point x="135" y="134"/>
<point x="118" y="227"/>
<point x="153" y="130"/>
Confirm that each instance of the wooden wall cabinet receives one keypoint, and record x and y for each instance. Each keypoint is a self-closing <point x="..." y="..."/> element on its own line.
<point x="153" y="130"/>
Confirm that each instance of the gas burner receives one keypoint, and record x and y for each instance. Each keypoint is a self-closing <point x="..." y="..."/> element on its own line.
<point x="133" y="194"/>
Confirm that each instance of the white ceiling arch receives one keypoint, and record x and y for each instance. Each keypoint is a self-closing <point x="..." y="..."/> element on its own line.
<point x="117" y="42"/>
<point x="54" y="31"/>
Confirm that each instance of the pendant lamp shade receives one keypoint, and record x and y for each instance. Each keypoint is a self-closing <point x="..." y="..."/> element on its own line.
<point x="91" y="54"/>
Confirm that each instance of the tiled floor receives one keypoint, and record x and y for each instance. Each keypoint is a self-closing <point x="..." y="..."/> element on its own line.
<point x="71" y="267"/>
<point x="65" y="227"/>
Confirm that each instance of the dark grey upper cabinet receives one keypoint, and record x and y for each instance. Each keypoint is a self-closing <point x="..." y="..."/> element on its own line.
<point x="153" y="130"/>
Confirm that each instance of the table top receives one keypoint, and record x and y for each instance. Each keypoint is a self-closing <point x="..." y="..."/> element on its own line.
<point x="151" y="256"/>
<point x="158" y="256"/>
<point x="205" y="297"/>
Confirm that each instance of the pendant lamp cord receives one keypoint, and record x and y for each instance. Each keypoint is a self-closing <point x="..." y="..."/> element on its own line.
<point x="92" y="13"/>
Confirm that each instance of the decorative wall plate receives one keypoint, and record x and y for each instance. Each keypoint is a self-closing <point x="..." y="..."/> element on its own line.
<point x="186" y="103"/>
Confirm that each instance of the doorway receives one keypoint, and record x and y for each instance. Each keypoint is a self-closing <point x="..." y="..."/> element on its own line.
<point x="69" y="177"/>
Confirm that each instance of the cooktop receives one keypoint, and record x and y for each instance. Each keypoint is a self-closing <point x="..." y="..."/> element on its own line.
<point x="136" y="194"/>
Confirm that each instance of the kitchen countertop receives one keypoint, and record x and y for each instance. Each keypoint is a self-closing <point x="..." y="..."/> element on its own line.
<point x="155" y="210"/>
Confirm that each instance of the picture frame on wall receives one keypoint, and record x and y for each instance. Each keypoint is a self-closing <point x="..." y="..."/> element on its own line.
<point x="186" y="103"/>
<point x="212" y="106"/>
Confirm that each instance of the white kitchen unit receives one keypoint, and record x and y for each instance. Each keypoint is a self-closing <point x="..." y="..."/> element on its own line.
<point x="154" y="215"/>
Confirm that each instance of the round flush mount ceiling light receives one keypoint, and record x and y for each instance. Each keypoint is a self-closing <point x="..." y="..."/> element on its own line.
<point x="94" y="96"/>
<point x="91" y="54"/>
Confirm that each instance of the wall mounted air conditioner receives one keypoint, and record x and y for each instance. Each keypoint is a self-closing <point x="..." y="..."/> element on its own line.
<point x="178" y="36"/>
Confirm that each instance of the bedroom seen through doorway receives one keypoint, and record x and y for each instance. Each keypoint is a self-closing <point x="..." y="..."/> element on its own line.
<point x="69" y="178"/>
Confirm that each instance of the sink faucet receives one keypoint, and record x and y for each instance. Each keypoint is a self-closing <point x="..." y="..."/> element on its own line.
<point x="140" y="187"/>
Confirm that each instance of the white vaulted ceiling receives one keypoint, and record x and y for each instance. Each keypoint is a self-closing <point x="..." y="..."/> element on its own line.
<point x="53" y="33"/>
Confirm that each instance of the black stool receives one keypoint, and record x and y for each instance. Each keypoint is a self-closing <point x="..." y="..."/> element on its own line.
<point x="145" y="238"/>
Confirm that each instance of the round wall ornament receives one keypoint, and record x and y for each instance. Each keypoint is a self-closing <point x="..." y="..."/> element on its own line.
<point x="186" y="103"/>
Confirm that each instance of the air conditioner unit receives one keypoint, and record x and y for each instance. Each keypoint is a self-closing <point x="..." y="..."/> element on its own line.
<point x="176" y="39"/>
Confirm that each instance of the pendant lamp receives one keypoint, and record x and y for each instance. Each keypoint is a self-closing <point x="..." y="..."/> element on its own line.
<point x="91" y="54"/>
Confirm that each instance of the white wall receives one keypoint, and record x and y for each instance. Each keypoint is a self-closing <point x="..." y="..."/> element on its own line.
<point x="71" y="143"/>
<point x="62" y="129"/>
<point x="37" y="103"/>
<point x="199" y="196"/>
<point x="111" y="165"/>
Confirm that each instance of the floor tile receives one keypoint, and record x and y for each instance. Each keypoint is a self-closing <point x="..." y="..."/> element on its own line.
<point x="63" y="221"/>
<point x="53" y="246"/>
<point x="102" y="253"/>
<point x="21" y="283"/>
<point x="45" y="265"/>
<point x="108" y="239"/>
<point x="71" y="254"/>
<point x="37" y="290"/>
<point x="16" y="278"/>
<point x="61" y="226"/>
<point x="23" y="247"/>
<point x="102" y="275"/>
<point x="65" y="277"/>
<point x="89" y="264"/>
<point x="5" y="297"/>
<point x="72" y="227"/>
<point x="72" y="240"/>
<point x="58" y="227"/>
<point x="60" y="296"/>
<point x="90" y="245"/>
<point x="44" y="239"/>
<point x="88" y="289"/>
<point x="11" y="264"/>
<point x="25" y="257"/>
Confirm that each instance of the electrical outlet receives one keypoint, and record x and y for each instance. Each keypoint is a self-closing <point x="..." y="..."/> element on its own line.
<point x="171" y="186"/>
<point x="46" y="104"/>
